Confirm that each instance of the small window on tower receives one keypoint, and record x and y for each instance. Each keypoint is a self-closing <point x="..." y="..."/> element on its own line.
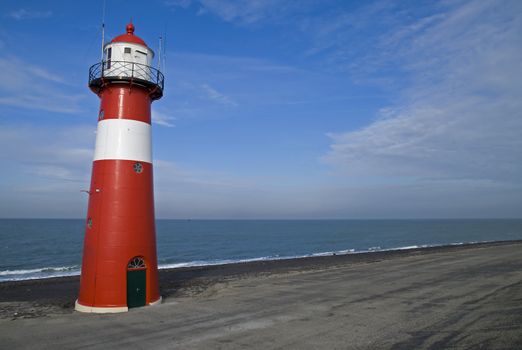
<point x="127" y="50"/>
<point x="109" y="54"/>
<point x="136" y="263"/>
<point x="138" y="168"/>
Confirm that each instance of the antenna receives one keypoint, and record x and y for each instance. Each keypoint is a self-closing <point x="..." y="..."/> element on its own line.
<point x="159" y="53"/>
<point x="103" y="29"/>
<point x="164" y="40"/>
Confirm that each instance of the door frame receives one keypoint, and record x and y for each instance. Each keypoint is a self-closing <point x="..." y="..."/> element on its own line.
<point x="135" y="264"/>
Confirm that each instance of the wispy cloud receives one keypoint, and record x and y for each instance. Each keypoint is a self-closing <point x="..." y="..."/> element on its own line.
<point x="162" y="119"/>
<point x="48" y="167"/>
<point x="216" y="96"/>
<point x="23" y="14"/>
<point x="241" y="11"/>
<point x="178" y="3"/>
<point x="212" y="86"/>
<point x="169" y="172"/>
<point x="185" y="192"/>
<point x="26" y="85"/>
<point x="460" y="118"/>
<point x="244" y="12"/>
<point x="60" y="153"/>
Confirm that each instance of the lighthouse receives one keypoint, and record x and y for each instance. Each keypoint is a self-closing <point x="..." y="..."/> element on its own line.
<point x="119" y="266"/>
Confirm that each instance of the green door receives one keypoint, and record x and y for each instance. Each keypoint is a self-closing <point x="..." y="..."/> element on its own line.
<point x="136" y="287"/>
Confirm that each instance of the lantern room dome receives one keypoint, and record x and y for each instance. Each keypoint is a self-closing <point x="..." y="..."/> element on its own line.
<point x="129" y="37"/>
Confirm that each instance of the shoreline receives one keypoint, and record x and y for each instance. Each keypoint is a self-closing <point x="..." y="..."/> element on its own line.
<point x="223" y="262"/>
<point x="56" y="295"/>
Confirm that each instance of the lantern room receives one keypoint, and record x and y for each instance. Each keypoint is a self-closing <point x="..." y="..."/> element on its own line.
<point x="127" y="58"/>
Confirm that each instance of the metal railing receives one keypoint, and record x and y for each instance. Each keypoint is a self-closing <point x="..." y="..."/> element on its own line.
<point x="126" y="71"/>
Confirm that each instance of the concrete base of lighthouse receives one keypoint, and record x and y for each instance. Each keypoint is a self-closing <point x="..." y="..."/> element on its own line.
<point x="107" y="310"/>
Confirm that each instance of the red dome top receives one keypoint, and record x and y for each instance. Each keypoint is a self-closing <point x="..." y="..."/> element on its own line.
<point x="129" y="37"/>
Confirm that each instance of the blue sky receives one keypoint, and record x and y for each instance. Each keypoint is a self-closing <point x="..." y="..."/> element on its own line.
<point x="277" y="109"/>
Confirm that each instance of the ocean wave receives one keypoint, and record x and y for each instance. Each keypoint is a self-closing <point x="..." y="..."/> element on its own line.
<point x="198" y="263"/>
<point x="43" y="269"/>
<point x="201" y="263"/>
<point x="39" y="273"/>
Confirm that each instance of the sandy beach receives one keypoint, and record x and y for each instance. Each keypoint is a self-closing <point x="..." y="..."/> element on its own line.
<point x="458" y="297"/>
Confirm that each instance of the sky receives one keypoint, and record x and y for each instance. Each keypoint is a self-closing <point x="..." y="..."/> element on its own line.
<point x="277" y="109"/>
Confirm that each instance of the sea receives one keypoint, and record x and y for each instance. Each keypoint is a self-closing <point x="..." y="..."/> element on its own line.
<point x="43" y="248"/>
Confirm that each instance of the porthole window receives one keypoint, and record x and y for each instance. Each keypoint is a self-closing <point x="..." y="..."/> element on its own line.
<point x="138" y="167"/>
<point x="89" y="223"/>
<point x="136" y="263"/>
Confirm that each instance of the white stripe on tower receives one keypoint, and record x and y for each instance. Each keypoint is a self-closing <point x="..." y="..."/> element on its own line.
<point x="125" y="139"/>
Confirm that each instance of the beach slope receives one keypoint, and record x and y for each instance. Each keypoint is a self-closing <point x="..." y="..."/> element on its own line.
<point x="467" y="297"/>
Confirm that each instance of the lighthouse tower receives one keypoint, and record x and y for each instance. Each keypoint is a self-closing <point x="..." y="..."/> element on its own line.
<point x="119" y="267"/>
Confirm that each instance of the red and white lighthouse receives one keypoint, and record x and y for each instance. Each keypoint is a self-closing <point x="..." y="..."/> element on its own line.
<point x="119" y="267"/>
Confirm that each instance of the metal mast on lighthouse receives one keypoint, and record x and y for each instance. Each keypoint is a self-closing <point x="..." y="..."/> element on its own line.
<point x="119" y="267"/>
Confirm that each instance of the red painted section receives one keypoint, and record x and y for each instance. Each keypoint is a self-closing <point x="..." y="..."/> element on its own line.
<point x="123" y="101"/>
<point x="121" y="209"/>
<point x="129" y="37"/>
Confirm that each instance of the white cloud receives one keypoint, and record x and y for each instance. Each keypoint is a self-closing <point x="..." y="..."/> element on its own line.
<point x="37" y="150"/>
<point x="245" y="12"/>
<point x="26" y="85"/>
<point x="216" y="96"/>
<point x="211" y="86"/>
<point x="162" y="119"/>
<point x="178" y="3"/>
<point x="461" y="118"/>
<point x="48" y="167"/>
<point x="22" y="14"/>
<point x="169" y="173"/>
<point x="184" y="192"/>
